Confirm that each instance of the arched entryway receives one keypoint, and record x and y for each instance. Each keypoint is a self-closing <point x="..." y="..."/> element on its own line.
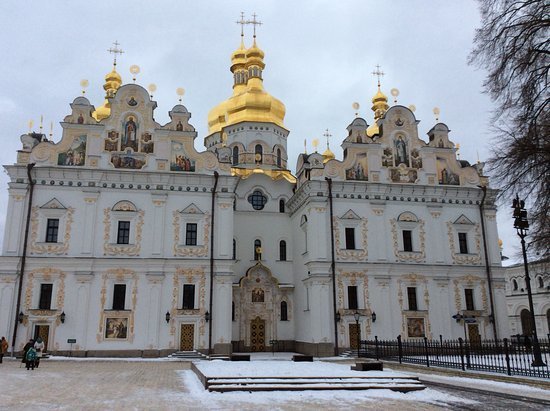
<point x="526" y="326"/>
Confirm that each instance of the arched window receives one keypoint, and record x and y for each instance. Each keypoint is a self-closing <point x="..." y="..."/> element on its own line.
<point x="526" y="326"/>
<point x="257" y="250"/>
<point x="282" y="250"/>
<point x="257" y="199"/>
<point x="281" y="206"/>
<point x="235" y="155"/>
<point x="279" y="162"/>
<point x="259" y="152"/>
<point x="514" y="285"/>
<point x="234" y="249"/>
<point x="284" y="311"/>
<point x="541" y="282"/>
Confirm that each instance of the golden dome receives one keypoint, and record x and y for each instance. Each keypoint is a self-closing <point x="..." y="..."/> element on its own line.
<point x="379" y="106"/>
<point x="249" y="102"/>
<point x="238" y="58"/>
<point x="113" y="81"/>
<point x="328" y="155"/>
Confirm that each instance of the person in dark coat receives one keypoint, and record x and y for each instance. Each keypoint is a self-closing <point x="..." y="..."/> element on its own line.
<point x="26" y="349"/>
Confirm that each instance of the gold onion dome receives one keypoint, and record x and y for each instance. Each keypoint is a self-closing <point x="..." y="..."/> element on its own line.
<point x="113" y="81"/>
<point x="249" y="102"/>
<point x="379" y="106"/>
<point x="328" y="155"/>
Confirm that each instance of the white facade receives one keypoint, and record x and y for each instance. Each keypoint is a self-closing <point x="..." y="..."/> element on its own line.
<point x="518" y="303"/>
<point x="138" y="211"/>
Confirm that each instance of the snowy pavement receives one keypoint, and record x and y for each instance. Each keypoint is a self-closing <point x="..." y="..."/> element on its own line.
<point x="171" y="385"/>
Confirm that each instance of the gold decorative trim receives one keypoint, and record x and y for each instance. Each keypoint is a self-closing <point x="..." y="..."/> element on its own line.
<point x="50" y="248"/>
<point x="345" y="254"/>
<point x="121" y="249"/>
<point x="190" y="251"/>
<point x="48" y="274"/>
<point x="458" y="258"/>
<point x="414" y="279"/>
<point x="416" y="256"/>
<point x="353" y="278"/>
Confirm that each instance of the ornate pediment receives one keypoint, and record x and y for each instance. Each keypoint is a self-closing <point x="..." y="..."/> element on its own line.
<point x="191" y="209"/>
<point x="463" y="220"/>
<point x="53" y="204"/>
<point x="350" y="215"/>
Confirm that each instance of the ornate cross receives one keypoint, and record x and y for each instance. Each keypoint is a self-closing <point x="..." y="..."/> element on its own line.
<point x="327" y="135"/>
<point x="115" y="50"/>
<point x="242" y="22"/>
<point x="254" y="22"/>
<point x="378" y="73"/>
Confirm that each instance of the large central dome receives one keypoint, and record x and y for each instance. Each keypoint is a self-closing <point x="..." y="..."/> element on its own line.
<point x="249" y="102"/>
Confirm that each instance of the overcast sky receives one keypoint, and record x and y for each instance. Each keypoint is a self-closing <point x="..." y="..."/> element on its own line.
<point x="319" y="58"/>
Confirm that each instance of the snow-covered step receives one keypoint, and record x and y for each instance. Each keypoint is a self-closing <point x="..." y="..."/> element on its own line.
<point x="321" y="386"/>
<point x="221" y="381"/>
<point x="187" y="355"/>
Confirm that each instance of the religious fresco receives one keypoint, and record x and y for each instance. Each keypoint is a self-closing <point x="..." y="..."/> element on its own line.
<point x="147" y="145"/>
<point x="359" y="171"/>
<point x="416" y="160"/>
<point x="415" y="327"/>
<point x="75" y="155"/>
<point x="258" y="295"/>
<point x="179" y="160"/>
<point x="401" y="152"/>
<point x="403" y="174"/>
<point x="116" y="328"/>
<point x="129" y="160"/>
<point x="448" y="178"/>
<point x="387" y="157"/>
<point x="111" y="142"/>
<point x="129" y="136"/>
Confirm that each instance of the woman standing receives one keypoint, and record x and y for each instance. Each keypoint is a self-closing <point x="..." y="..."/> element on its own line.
<point x="3" y="348"/>
<point x="39" y="346"/>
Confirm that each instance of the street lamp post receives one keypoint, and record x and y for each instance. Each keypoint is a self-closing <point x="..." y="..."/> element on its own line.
<point x="522" y="225"/>
<point x="356" y="315"/>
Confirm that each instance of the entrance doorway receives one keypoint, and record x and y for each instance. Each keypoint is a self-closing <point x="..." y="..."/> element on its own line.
<point x="187" y="337"/>
<point x="473" y="334"/>
<point x="42" y="331"/>
<point x="257" y="334"/>
<point x="354" y="335"/>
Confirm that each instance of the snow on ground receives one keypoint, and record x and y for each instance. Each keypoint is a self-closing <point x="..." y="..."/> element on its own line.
<point x="274" y="400"/>
<point x="273" y="369"/>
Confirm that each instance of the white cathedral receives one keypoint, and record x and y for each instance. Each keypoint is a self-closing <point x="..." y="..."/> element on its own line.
<point x="122" y="239"/>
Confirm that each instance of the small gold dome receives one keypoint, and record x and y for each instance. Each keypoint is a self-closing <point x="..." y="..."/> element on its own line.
<point x="379" y="106"/>
<point x="328" y="155"/>
<point x="113" y="81"/>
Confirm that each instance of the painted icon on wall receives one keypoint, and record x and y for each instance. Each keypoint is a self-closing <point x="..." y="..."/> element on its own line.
<point x="401" y="156"/>
<point x="359" y="171"/>
<point x="147" y="145"/>
<point x="111" y="142"/>
<point x="130" y="160"/>
<point x="258" y="295"/>
<point x="116" y="328"/>
<point x="75" y="155"/>
<point x="129" y="137"/>
<point x="179" y="161"/>
<point x="415" y="327"/>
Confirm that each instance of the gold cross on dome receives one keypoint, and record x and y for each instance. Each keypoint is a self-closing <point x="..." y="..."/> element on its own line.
<point x="327" y="135"/>
<point x="254" y="22"/>
<point x="378" y="73"/>
<point x="115" y="50"/>
<point x="242" y="22"/>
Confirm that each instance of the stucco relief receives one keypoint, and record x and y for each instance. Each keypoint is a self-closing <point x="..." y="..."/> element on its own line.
<point x="49" y="275"/>
<point x="118" y="274"/>
<point x="195" y="250"/>
<point x="414" y="280"/>
<point x="409" y="256"/>
<point x="345" y="254"/>
<point x="59" y="248"/>
<point x="361" y="280"/>
<point x="470" y="281"/>
<point x="122" y="249"/>
<point x="471" y="258"/>
<point x="195" y="276"/>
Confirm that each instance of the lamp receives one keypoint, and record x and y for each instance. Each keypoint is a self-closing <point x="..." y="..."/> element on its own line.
<point x="356" y="315"/>
<point x="207" y="316"/>
<point x="21" y="317"/>
<point x="62" y="317"/>
<point x="337" y="316"/>
<point x="167" y="316"/>
<point x="373" y="317"/>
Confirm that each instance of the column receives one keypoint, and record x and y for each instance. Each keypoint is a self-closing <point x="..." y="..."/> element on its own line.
<point x="90" y="215"/>
<point x="157" y="243"/>
<point x="15" y="221"/>
<point x="221" y="318"/>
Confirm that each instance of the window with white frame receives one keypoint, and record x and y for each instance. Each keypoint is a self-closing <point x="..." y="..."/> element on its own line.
<point x="408" y="226"/>
<point x="124" y="217"/>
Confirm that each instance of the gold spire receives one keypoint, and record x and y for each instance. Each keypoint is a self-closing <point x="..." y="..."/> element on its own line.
<point x="112" y="83"/>
<point x="249" y="102"/>
<point x="379" y="104"/>
<point x="328" y="154"/>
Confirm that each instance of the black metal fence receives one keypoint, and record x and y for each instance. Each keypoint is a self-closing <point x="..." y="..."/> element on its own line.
<point x="501" y="356"/>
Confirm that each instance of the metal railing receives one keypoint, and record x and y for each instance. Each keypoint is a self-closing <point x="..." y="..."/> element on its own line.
<point x="512" y="357"/>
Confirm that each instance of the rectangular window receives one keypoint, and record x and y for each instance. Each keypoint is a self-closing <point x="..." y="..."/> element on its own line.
<point x="191" y="234"/>
<point x="119" y="296"/>
<point x="52" y="228"/>
<point x="463" y="243"/>
<point x="352" y="297"/>
<point x="123" y="235"/>
<point x="188" y="297"/>
<point x="45" y="301"/>
<point x="411" y="296"/>
<point x="469" y="295"/>
<point x="350" y="238"/>
<point x="407" y="240"/>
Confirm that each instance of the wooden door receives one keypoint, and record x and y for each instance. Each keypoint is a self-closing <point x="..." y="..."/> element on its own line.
<point x="187" y="337"/>
<point x="354" y="335"/>
<point x="42" y="331"/>
<point x="257" y="334"/>
<point x="473" y="333"/>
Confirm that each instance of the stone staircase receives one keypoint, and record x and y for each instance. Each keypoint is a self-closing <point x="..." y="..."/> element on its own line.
<point x="188" y="355"/>
<point x="251" y="384"/>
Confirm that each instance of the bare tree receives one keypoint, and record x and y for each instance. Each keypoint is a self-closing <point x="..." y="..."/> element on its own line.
<point x="513" y="45"/>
